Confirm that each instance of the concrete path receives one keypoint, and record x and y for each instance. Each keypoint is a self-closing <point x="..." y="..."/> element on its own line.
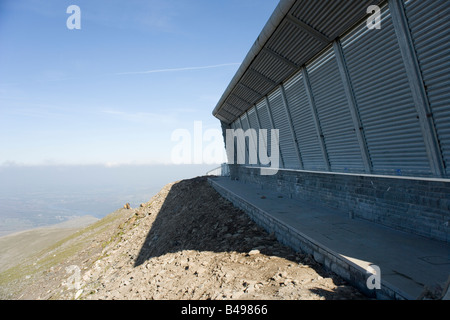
<point x="346" y="245"/>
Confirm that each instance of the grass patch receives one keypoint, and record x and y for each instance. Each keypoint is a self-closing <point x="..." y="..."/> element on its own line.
<point x="57" y="253"/>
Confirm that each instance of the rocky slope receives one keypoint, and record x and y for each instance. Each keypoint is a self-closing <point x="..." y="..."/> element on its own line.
<point x="187" y="242"/>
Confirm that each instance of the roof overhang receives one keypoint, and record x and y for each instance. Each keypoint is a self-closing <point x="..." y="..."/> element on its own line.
<point x="295" y="33"/>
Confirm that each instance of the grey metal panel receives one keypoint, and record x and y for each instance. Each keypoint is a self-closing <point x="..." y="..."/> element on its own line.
<point x="232" y="110"/>
<point x="234" y="159"/>
<point x="244" y="122"/>
<point x="252" y="117"/>
<point x="312" y="106"/>
<point x="263" y="115"/>
<point x="238" y="102"/>
<point x="239" y="147"/>
<point x="384" y="99"/>
<point x="271" y="67"/>
<point x="334" y="115"/>
<point x="246" y="93"/>
<point x="253" y="121"/>
<point x="281" y="122"/>
<point x="352" y="105"/>
<point x="307" y="139"/>
<point x="429" y="25"/>
<point x="416" y="84"/>
<point x="251" y="80"/>
<point x="294" y="43"/>
<point x="265" y="122"/>
<point x="291" y="128"/>
<point x="250" y="143"/>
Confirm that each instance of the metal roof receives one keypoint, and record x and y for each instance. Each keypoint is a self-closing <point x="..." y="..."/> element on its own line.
<point x="295" y="33"/>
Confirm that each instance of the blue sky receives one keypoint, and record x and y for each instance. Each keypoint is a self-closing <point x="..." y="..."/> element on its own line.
<point x="114" y="91"/>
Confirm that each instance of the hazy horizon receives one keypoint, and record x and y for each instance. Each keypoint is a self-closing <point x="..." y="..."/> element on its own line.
<point x="37" y="196"/>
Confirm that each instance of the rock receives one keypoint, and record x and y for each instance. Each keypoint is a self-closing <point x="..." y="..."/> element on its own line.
<point x="253" y="252"/>
<point x="127" y="206"/>
<point x="201" y="270"/>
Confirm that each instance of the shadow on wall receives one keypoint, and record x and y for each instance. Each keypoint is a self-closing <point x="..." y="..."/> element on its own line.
<point x="194" y="216"/>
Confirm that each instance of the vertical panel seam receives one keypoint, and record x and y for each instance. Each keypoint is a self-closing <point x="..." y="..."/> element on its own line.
<point x="259" y="126"/>
<point x="315" y="117"/>
<point x="246" y="151"/>
<point x="416" y="83"/>
<point x="291" y="126"/>
<point x="353" y="106"/>
<point x="272" y="123"/>
<point x="255" y="143"/>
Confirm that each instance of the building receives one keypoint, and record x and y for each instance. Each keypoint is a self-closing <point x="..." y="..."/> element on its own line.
<point x="361" y="99"/>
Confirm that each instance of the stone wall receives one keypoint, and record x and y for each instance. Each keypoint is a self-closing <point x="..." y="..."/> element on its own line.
<point x="420" y="206"/>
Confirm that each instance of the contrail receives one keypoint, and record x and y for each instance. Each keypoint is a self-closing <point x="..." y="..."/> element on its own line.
<point x="179" y="69"/>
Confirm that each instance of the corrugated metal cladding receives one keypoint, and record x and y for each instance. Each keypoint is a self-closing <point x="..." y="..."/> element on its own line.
<point x="254" y="123"/>
<point x="334" y="114"/>
<point x="430" y="25"/>
<point x="265" y="122"/>
<point x="350" y="107"/>
<point x="239" y="148"/>
<point x="384" y="99"/>
<point x="306" y="134"/>
<point x="251" y="144"/>
<point x="281" y="122"/>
